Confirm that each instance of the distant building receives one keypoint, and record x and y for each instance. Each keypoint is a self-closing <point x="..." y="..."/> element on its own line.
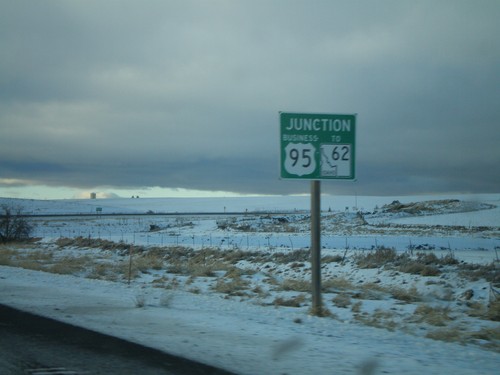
<point x="93" y="195"/>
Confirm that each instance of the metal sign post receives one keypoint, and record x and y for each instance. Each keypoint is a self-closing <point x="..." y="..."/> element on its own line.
<point x="317" y="147"/>
<point x="317" y="305"/>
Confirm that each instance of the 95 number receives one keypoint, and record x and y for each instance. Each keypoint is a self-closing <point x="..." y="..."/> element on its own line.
<point x="305" y="158"/>
<point x="300" y="158"/>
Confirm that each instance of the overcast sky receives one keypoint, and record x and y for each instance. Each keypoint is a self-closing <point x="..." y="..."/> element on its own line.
<point x="128" y="95"/>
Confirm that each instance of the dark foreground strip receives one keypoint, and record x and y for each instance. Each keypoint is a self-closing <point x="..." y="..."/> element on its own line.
<point x="31" y="324"/>
<point x="52" y="371"/>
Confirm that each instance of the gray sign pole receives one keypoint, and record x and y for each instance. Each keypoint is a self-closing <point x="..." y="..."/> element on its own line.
<point x="317" y="307"/>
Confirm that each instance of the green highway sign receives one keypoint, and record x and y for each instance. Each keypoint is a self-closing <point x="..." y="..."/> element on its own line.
<point x="317" y="146"/>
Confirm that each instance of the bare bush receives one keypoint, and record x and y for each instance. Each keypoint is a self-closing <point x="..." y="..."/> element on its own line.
<point x="13" y="225"/>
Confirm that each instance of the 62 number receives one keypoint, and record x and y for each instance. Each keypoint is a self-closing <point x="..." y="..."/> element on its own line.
<point x="342" y="155"/>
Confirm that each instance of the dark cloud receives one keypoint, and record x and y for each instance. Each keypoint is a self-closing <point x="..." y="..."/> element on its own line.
<point x="186" y="94"/>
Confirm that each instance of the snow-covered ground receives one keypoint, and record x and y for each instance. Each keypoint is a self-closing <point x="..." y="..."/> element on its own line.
<point x="231" y="290"/>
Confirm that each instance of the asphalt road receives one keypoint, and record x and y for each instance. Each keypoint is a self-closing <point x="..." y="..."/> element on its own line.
<point x="34" y="345"/>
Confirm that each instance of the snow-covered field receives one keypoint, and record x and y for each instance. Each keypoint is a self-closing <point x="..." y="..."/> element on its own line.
<point x="410" y="284"/>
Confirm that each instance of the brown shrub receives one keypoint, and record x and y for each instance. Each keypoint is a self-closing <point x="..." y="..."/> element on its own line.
<point x="233" y="287"/>
<point x="418" y="268"/>
<point x="436" y="316"/>
<point x="493" y="312"/>
<point x="296" y="285"/>
<point x="405" y="295"/>
<point x="376" y="259"/>
<point x="336" y="283"/>
<point x="342" y="300"/>
<point x="446" y="334"/>
<point x="296" y="301"/>
<point x="489" y="272"/>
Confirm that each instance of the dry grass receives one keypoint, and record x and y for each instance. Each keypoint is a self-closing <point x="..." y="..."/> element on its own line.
<point x="94" y="243"/>
<point x="232" y="287"/>
<point x="376" y="259"/>
<point x="493" y="311"/>
<point x="7" y="256"/>
<point x="431" y="258"/>
<point x="105" y="271"/>
<point x="291" y="256"/>
<point x="356" y="307"/>
<point x="39" y="255"/>
<point x="13" y="255"/>
<point x="28" y="264"/>
<point x="490" y="311"/>
<point x="448" y="335"/>
<point x="296" y="285"/>
<point x="71" y="265"/>
<point x="372" y="291"/>
<point x="490" y="335"/>
<point x="40" y="260"/>
<point x="209" y="262"/>
<point x="260" y="292"/>
<point x="489" y="272"/>
<point x="146" y="262"/>
<point x="297" y="301"/>
<point x="201" y="263"/>
<point x="342" y="300"/>
<point x="322" y="312"/>
<point x="166" y="283"/>
<point x="436" y="316"/>
<point x="487" y="334"/>
<point x="423" y="264"/>
<point x="417" y="268"/>
<point x="332" y="259"/>
<point x="405" y="295"/>
<point x="336" y="283"/>
<point x="379" y="319"/>
<point x="234" y="256"/>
